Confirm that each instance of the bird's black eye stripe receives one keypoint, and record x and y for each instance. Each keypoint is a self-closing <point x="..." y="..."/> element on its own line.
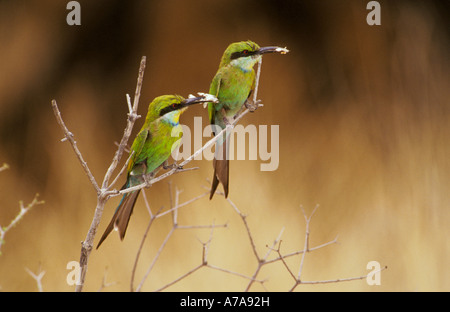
<point x="169" y="109"/>
<point x="235" y="55"/>
<point x="239" y="54"/>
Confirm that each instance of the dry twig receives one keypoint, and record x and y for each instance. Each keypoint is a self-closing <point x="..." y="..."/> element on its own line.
<point x="22" y="212"/>
<point x="37" y="277"/>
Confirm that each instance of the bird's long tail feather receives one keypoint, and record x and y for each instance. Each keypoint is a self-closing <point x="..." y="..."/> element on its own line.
<point x="221" y="166"/>
<point x="122" y="216"/>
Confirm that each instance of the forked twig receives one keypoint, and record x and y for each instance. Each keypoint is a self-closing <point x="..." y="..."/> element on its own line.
<point x="22" y="212"/>
<point x="37" y="277"/>
<point x="306" y="245"/>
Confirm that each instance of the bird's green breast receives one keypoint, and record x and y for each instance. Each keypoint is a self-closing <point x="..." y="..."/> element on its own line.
<point x="162" y="139"/>
<point x="234" y="86"/>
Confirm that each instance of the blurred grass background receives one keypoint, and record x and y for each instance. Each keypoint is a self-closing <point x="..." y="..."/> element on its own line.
<point x="364" y="131"/>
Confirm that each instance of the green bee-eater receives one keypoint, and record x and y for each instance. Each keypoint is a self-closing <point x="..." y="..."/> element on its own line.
<point x="159" y="136"/>
<point x="232" y="85"/>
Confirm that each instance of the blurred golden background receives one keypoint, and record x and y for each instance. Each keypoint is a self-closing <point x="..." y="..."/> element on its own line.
<point x="364" y="123"/>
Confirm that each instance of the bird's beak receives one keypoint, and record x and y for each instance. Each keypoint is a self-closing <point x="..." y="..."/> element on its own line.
<point x="188" y="102"/>
<point x="265" y="50"/>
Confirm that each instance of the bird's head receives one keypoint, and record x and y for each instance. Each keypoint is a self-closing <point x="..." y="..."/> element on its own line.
<point x="170" y="107"/>
<point x="245" y="54"/>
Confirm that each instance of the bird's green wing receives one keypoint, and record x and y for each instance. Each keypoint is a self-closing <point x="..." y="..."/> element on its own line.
<point x="214" y="90"/>
<point x="137" y="147"/>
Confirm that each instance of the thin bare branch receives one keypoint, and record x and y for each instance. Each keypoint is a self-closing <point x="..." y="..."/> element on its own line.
<point x="144" y="278"/>
<point x="250" y="237"/>
<point x="182" y="205"/>
<point x="299" y="252"/>
<point x="37" y="277"/>
<point x="206" y="226"/>
<point x="22" y="212"/>
<point x="180" y="278"/>
<point x="124" y="167"/>
<point x="133" y="271"/>
<point x="339" y="280"/>
<point x="206" y="246"/>
<point x="234" y="273"/>
<point x="284" y="262"/>
<point x="263" y="261"/>
<point x="104" y="283"/>
<point x="278" y="239"/>
<point x="147" y="205"/>
<point x="306" y="245"/>
<point x="130" y="108"/>
<point x="69" y="137"/>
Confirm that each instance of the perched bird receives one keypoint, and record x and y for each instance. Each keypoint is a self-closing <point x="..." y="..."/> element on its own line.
<point x="159" y="136"/>
<point x="232" y="85"/>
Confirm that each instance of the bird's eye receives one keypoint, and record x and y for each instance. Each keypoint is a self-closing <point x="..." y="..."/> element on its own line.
<point x="245" y="52"/>
<point x="173" y="105"/>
